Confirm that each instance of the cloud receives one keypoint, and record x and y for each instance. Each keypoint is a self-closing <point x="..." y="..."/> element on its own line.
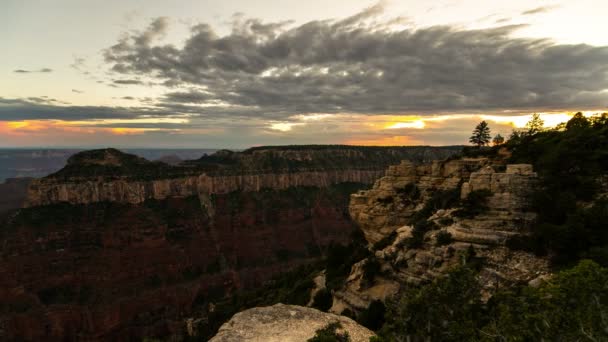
<point x="35" y="108"/>
<point x="539" y="10"/>
<point x="127" y="82"/>
<point x="24" y="71"/>
<point x="361" y="64"/>
<point x="77" y="91"/>
<point x="327" y="81"/>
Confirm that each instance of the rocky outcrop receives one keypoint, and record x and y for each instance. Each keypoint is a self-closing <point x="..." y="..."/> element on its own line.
<point x="285" y="323"/>
<point x="451" y="234"/>
<point x="403" y="191"/>
<point x="508" y="205"/>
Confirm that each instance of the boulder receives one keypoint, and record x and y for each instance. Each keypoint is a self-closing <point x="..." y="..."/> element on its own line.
<point x="285" y="323"/>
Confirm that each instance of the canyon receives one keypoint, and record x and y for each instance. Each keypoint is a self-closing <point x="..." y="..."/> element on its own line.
<point x="114" y="247"/>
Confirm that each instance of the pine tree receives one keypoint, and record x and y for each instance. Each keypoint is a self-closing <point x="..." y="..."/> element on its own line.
<point x="535" y="124"/>
<point x="481" y="134"/>
<point x="498" y="140"/>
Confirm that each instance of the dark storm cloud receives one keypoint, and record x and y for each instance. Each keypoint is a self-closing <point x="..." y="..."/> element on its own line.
<point x="23" y="71"/>
<point x="189" y="97"/>
<point x="538" y="10"/>
<point x="359" y="65"/>
<point x="34" y="108"/>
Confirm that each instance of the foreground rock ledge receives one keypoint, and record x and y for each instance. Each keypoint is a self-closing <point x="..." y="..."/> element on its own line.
<point x="285" y="323"/>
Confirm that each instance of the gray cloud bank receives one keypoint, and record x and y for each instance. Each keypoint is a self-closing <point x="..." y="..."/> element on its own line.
<point x="361" y="64"/>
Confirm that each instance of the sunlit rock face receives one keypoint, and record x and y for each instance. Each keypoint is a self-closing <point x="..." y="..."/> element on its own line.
<point x="285" y="323"/>
<point x="390" y="205"/>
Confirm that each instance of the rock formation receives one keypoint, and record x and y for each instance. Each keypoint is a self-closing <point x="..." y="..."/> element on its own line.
<point x="403" y="191"/>
<point x="285" y="323"/>
<point x="386" y="210"/>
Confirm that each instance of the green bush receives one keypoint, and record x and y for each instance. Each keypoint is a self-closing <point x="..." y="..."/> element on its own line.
<point x="443" y="238"/>
<point x="474" y="204"/>
<point x="371" y="268"/>
<point x="330" y="334"/>
<point x="446" y="310"/>
<point x="341" y="258"/>
<point x="322" y="300"/>
<point x="373" y="316"/>
<point x="569" y="159"/>
<point x="572" y="306"/>
<point x="385" y="242"/>
<point x="440" y="199"/>
<point x="409" y="193"/>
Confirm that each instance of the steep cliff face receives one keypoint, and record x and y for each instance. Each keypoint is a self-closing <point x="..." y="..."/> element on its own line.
<point x="110" y="175"/>
<point x="431" y="218"/>
<point x="49" y="191"/>
<point x="116" y="247"/>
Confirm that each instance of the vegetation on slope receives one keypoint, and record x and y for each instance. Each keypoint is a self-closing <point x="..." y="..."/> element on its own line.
<point x="572" y="306"/>
<point x="572" y="162"/>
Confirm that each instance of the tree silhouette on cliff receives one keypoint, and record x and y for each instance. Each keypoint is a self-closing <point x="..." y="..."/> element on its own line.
<point x="481" y="134"/>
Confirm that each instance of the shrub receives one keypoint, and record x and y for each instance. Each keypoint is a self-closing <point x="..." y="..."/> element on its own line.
<point x="569" y="160"/>
<point x="474" y="204"/>
<point x="385" y="200"/>
<point x="449" y="309"/>
<point x="385" y="242"/>
<point x="571" y="307"/>
<point x="329" y="334"/>
<point x="373" y="317"/>
<point x="322" y="300"/>
<point x="341" y="258"/>
<point x="409" y="193"/>
<point x="443" y="238"/>
<point x="440" y="199"/>
<point x="371" y="268"/>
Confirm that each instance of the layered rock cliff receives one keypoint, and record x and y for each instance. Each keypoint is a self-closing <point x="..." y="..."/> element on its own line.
<point x="110" y="175"/>
<point x="426" y="219"/>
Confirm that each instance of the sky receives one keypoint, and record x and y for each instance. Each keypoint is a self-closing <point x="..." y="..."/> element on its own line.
<point x="237" y="73"/>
